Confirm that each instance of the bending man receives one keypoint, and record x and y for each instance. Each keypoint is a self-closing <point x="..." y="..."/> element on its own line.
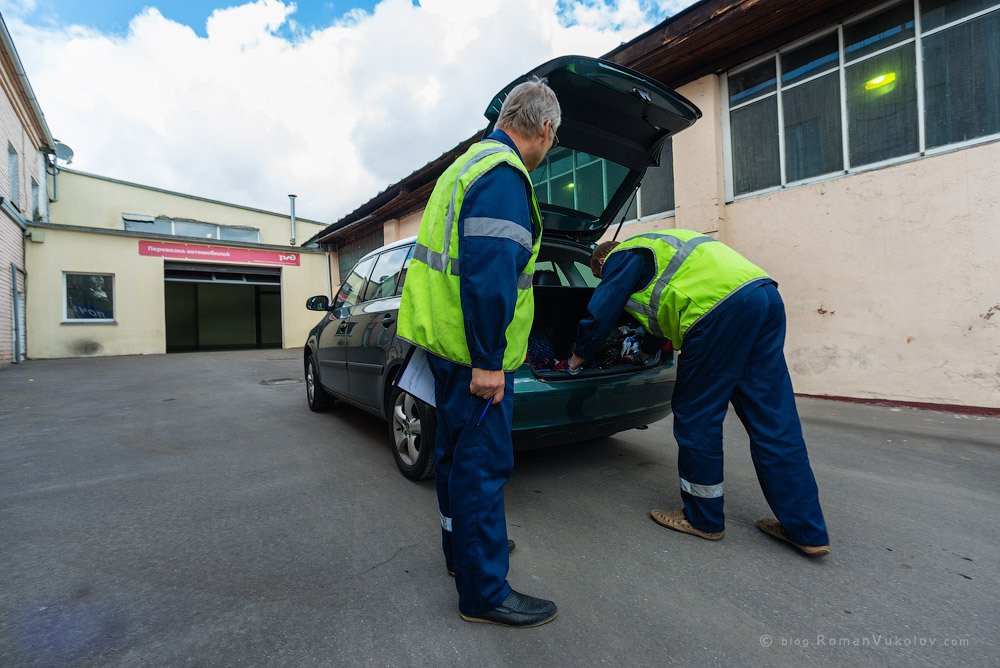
<point x="725" y="315"/>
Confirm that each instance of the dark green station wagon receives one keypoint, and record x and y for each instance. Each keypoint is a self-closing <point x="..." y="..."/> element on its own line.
<point x="614" y="123"/>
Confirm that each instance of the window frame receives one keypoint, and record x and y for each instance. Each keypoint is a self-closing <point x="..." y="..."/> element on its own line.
<point x="66" y="320"/>
<point x="14" y="175"/>
<point x="841" y="68"/>
<point x="138" y="218"/>
<point x="641" y="215"/>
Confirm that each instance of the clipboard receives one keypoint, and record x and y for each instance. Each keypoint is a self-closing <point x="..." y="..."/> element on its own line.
<point x="416" y="378"/>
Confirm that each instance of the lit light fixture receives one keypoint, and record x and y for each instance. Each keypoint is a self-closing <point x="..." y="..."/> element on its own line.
<point x="879" y="81"/>
<point x="570" y="185"/>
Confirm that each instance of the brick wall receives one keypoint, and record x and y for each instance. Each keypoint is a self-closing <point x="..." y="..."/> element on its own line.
<point x="13" y="134"/>
<point x="11" y="253"/>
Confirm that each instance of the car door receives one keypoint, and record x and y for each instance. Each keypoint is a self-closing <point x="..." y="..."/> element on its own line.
<point x="333" y="339"/>
<point x="373" y="327"/>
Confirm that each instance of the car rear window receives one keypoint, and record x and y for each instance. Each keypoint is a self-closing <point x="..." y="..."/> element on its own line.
<point x="576" y="180"/>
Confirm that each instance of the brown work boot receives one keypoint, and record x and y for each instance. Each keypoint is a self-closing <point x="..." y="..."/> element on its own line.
<point x="773" y="527"/>
<point x="674" y="519"/>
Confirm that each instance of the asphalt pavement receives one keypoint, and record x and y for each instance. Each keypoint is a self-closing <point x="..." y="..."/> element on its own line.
<point x="189" y="510"/>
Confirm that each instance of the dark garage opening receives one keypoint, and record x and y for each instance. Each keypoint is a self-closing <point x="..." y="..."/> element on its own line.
<point x="221" y="307"/>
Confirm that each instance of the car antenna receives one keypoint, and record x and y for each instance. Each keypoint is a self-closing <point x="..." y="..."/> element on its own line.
<point x="627" y="207"/>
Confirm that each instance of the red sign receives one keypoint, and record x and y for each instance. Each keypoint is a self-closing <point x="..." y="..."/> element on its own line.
<point x="216" y="253"/>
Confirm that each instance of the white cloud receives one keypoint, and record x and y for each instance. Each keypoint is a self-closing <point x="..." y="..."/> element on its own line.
<point x="249" y="114"/>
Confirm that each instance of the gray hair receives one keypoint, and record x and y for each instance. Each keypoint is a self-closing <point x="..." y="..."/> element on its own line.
<point x="528" y="106"/>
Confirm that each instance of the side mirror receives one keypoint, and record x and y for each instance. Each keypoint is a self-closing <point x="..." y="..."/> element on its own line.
<point x="318" y="303"/>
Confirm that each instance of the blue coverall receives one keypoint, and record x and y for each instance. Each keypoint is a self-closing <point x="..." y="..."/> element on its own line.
<point x="734" y="354"/>
<point x="473" y="461"/>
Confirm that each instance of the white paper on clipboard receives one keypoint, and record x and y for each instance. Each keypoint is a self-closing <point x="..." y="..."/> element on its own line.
<point x="417" y="378"/>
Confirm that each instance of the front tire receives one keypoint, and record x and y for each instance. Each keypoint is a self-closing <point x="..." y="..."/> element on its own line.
<point x="412" y="425"/>
<point x="319" y="399"/>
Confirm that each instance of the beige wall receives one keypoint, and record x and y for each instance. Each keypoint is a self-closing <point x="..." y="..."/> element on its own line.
<point x="139" y="296"/>
<point x="139" y="308"/>
<point x="92" y="201"/>
<point x="891" y="278"/>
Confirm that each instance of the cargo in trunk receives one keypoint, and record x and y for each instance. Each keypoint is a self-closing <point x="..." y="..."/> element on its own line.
<point x="558" y="311"/>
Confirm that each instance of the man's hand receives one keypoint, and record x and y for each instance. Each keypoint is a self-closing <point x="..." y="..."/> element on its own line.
<point x="486" y="384"/>
<point x="574" y="362"/>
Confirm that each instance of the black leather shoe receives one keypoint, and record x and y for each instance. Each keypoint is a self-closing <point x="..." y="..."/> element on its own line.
<point x="517" y="610"/>
<point x="510" y="548"/>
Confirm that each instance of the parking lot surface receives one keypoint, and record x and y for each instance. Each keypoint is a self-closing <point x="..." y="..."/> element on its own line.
<point x="189" y="510"/>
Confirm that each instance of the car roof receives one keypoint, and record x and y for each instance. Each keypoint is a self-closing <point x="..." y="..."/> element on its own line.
<point x="389" y="246"/>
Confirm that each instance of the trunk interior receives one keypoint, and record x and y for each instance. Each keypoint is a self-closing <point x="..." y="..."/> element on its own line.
<point x="558" y="310"/>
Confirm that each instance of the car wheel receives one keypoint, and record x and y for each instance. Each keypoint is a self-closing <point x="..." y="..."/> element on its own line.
<point x="319" y="399"/>
<point x="411" y="435"/>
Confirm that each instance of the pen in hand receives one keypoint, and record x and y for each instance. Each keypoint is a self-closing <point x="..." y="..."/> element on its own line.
<point x="483" y="414"/>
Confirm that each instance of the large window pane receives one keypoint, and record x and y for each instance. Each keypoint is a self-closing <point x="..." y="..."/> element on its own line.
<point x="752" y="82"/>
<point x="810" y="60"/>
<point x="200" y="230"/>
<point x="158" y="226"/>
<point x="658" y="184"/>
<point x="882" y="107"/>
<point x="589" y="188"/>
<point x="813" y="143"/>
<point x="561" y="191"/>
<point x="936" y="13"/>
<point x="878" y="32"/>
<point x="754" y="130"/>
<point x="962" y="81"/>
<point x="237" y="234"/>
<point x="577" y="180"/>
<point x="90" y="297"/>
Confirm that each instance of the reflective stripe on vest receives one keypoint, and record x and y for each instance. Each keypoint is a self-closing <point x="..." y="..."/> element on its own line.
<point x="424" y="254"/>
<point x="509" y="230"/>
<point x="683" y="249"/>
<point x="687" y="283"/>
<point x="430" y="314"/>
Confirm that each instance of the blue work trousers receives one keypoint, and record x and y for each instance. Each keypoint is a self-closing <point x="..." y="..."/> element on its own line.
<point x="472" y="464"/>
<point x="735" y="355"/>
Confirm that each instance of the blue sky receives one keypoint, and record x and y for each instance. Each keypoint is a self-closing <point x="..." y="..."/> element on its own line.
<point x="113" y="16"/>
<point x="245" y="101"/>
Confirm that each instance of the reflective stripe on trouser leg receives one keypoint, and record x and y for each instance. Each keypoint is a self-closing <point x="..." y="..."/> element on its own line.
<point x="713" y="356"/>
<point x="703" y="491"/>
<point x="765" y="403"/>
<point x="476" y="461"/>
<point x="445" y="522"/>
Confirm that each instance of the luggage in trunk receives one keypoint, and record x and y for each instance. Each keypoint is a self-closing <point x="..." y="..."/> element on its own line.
<point x="558" y="310"/>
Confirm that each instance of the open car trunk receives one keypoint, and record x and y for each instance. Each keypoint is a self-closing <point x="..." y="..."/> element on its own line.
<point x="558" y="310"/>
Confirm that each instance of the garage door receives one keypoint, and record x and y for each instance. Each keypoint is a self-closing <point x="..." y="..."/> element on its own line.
<point x="221" y="307"/>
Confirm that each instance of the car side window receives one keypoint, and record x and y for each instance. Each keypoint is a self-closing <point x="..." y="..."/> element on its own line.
<point x="351" y="290"/>
<point x="402" y="273"/>
<point x="386" y="273"/>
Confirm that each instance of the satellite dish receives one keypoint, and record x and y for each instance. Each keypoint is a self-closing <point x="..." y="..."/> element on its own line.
<point x="63" y="152"/>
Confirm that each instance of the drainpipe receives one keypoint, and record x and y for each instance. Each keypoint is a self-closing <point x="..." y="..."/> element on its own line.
<point x="291" y="199"/>
<point x="17" y="317"/>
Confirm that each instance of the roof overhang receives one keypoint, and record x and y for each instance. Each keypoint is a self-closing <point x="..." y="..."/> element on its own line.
<point x="714" y="35"/>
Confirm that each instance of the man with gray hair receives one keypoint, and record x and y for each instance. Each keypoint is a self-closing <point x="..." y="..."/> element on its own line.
<point x="468" y="302"/>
